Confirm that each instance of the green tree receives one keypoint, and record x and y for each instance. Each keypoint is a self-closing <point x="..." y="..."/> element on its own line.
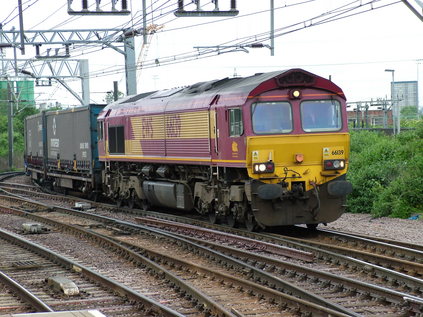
<point x="385" y="172"/>
<point x="109" y="98"/>
<point x="409" y="112"/>
<point x="4" y="101"/>
<point x="409" y="117"/>
<point x="18" y="130"/>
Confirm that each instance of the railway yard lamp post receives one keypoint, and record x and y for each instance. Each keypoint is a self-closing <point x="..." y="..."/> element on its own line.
<point x="11" y="97"/>
<point x="395" y="110"/>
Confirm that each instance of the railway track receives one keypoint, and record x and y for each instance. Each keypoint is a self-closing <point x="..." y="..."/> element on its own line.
<point x="389" y="271"/>
<point x="266" y="280"/>
<point x="406" y="258"/>
<point x="7" y="175"/>
<point x="59" y="284"/>
<point x="234" y="295"/>
<point x="373" y="299"/>
<point x="331" y="281"/>
<point x="15" y="298"/>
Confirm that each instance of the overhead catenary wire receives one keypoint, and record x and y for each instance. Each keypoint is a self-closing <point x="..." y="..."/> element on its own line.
<point x="48" y="17"/>
<point x="336" y="14"/>
<point x="260" y="37"/>
<point x="192" y="55"/>
<point x="79" y="48"/>
<point x="82" y="48"/>
<point x="5" y="21"/>
<point x="195" y="55"/>
<point x="249" y="39"/>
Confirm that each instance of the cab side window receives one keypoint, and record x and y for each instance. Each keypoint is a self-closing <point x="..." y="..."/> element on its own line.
<point x="236" y="127"/>
<point x="116" y="140"/>
<point x="100" y="131"/>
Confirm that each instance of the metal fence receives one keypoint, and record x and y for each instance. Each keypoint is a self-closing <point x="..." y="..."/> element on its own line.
<point x="18" y="162"/>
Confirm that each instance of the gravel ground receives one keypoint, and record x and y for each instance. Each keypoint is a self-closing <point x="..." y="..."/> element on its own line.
<point x="404" y="230"/>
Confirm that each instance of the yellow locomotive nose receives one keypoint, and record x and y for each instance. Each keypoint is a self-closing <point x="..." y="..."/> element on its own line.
<point x="298" y="158"/>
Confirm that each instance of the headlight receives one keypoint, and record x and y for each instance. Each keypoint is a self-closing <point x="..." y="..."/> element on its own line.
<point x="261" y="168"/>
<point x="334" y="164"/>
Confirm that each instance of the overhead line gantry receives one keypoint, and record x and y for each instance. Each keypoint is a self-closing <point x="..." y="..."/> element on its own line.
<point x="112" y="38"/>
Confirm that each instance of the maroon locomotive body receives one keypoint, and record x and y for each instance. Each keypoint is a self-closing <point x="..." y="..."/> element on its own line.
<point x="246" y="149"/>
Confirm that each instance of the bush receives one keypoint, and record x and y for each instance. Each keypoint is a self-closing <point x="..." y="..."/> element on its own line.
<point x="385" y="172"/>
<point x="18" y="130"/>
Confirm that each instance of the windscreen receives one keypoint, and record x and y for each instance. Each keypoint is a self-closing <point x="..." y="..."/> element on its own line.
<point x="321" y="115"/>
<point x="271" y="117"/>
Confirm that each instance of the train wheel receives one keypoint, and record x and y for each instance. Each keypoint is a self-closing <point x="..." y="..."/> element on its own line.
<point x="145" y="205"/>
<point x="312" y="226"/>
<point x="250" y="221"/>
<point x="231" y="220"/>
<point x="93" y="196"/>
<point x="131" y="200"/>
<point x="213" y="217"/>
<point x="131" y="203"/>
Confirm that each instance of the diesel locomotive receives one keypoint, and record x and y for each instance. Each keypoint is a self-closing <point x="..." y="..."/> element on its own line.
<point x="267" y="150"/>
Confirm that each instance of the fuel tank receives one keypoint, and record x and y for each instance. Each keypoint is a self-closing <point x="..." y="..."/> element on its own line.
<point x="166" y="194"/>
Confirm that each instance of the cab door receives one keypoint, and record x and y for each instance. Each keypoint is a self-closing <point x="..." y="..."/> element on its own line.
<point x="236" y="138"/>
<point x="228" y="144"/>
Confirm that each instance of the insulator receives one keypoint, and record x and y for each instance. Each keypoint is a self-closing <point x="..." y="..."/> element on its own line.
<point x="257" y="45"/>
<point x="233" y="4"/>
<point x="84" y="4"/>
<point x="216" y="5"/>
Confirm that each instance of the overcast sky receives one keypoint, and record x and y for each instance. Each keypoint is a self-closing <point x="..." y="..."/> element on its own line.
<point x="354" y="51"/>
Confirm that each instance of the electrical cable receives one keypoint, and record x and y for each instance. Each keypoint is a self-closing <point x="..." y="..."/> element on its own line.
<point x="193" y="55"/>
<point x="23" y="10"/>
<point x="339" y="13"/>
<point x="188" y="56"/>
<point x="48" y="17"/>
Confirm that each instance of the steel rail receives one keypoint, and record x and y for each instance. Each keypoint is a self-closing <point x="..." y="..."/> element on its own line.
<point x="369" y="268"/>
<point x="263" y="246"/>
<point x="401" y="252"/>
<point x="267" y="292"/>
<point x="416" y="249"/>
<point x="127" y="253"/>
<point x="407" y="281"/>
<point x="377" y="259"/>
<point x="392" y="275"/>
<point x="24" y="294"/>
<point x="71" y="265"/>
<point x="255" y="273"/>
<point x="381" y="292"/>
<point x="6" y="175"/>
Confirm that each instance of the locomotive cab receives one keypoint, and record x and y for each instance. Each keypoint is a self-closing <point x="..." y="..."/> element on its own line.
<point x="298" y="154"/>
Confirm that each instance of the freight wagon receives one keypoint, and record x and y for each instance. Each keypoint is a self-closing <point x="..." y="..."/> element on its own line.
<point x="61" y="149"/>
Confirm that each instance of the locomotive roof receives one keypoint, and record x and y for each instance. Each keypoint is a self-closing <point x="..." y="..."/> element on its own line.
<point x="235" y="91"/>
